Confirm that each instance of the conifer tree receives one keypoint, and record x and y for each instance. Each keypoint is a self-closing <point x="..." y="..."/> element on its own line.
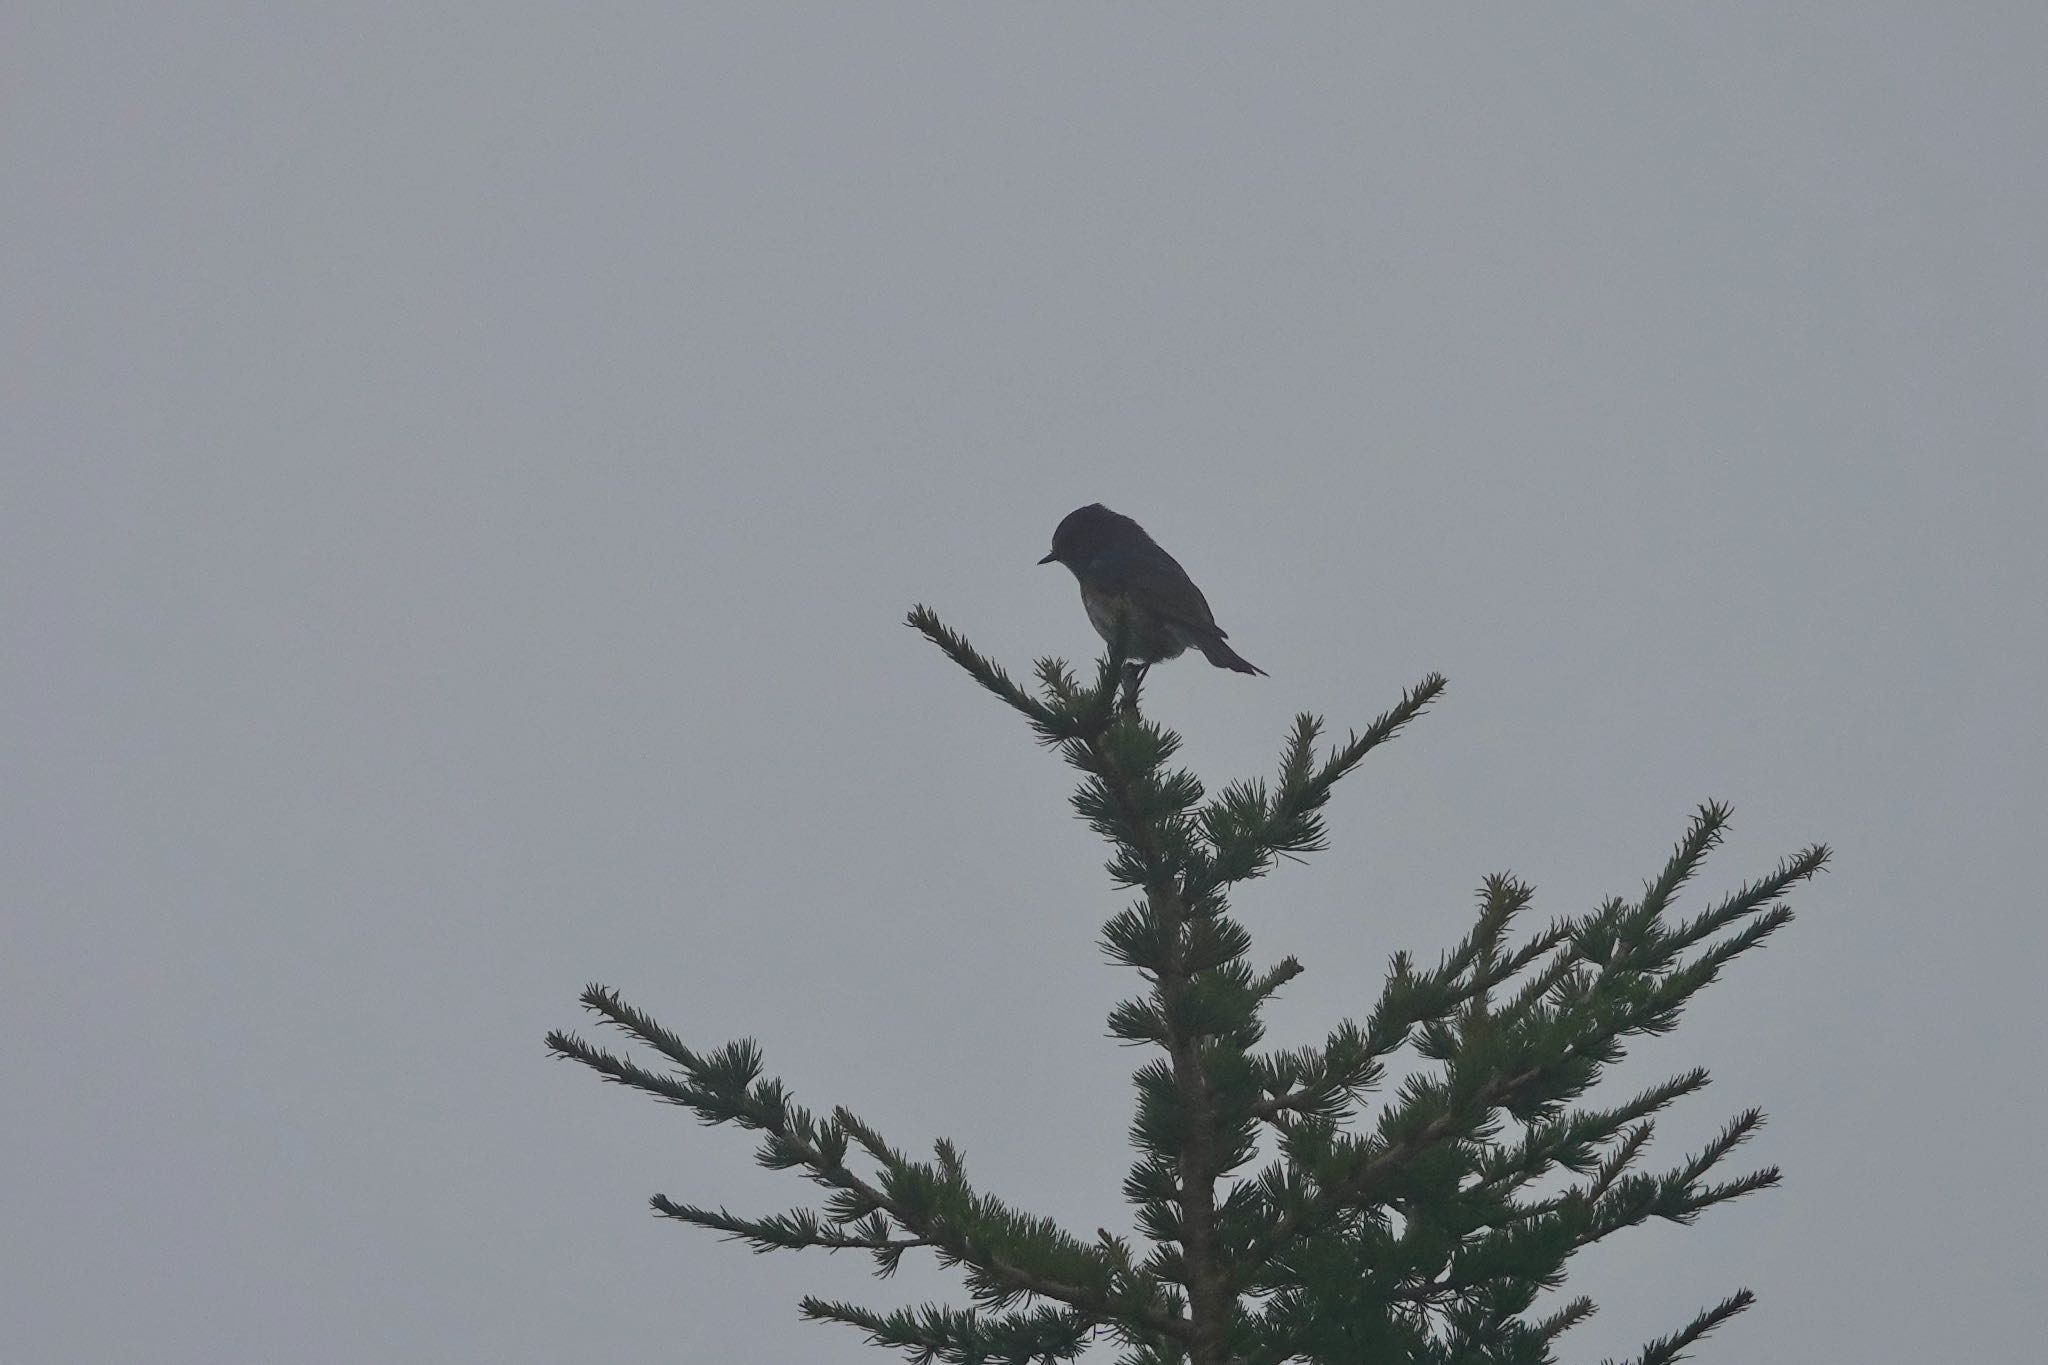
<point x="1287" y="1205"/>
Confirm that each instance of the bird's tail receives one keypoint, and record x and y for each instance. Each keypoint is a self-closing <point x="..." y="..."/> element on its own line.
<point x="1223" y="656"/>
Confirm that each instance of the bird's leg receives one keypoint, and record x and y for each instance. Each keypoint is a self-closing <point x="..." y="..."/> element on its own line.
<point x="1134" y="677"/>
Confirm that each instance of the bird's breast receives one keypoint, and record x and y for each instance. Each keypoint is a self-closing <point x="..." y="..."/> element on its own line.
<point x="1103" y="610"/>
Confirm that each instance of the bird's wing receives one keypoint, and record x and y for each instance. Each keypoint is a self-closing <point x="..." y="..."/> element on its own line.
<point x="1157" y="581"/>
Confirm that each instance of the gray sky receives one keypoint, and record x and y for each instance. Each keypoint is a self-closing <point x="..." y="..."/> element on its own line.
<point x="464" y="468"/>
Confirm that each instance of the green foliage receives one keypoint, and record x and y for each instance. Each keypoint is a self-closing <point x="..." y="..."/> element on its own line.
<point x="1418" y="1226"/>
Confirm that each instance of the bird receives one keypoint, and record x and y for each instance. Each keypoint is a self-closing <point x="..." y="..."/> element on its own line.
<point x="1124" y="573"/>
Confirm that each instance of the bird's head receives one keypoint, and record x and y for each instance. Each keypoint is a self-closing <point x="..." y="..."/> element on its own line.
<point x="1085" y="531"/>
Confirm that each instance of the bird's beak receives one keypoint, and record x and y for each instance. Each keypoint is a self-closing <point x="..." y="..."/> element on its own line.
<point x="1048" y="559"/>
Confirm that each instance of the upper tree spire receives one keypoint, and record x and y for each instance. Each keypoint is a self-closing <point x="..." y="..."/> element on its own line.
<point x="1402" y="1228"/>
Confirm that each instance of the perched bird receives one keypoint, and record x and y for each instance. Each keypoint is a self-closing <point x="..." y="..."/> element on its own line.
<point x="1122" y="572"/>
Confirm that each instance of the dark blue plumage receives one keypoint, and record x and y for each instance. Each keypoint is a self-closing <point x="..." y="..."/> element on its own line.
<point x="1123" y="572"/>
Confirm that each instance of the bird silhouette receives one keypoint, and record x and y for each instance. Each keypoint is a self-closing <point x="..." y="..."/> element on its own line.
<point x="1125" y="575"/>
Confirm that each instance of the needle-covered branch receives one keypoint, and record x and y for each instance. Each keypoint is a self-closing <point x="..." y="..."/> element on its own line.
<point x="1249" y="825"/>
<point x="1666" y="1350"/>
<point x="1003" y="1254"/>
<point x="797" y="1230"/>
<point x="935" y="1333"/>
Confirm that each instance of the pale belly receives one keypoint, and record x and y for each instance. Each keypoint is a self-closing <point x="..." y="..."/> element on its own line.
<point x="1160" y="642"/>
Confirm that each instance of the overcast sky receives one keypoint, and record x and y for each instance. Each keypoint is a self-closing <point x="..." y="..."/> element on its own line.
<point x="465" y="468"/>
